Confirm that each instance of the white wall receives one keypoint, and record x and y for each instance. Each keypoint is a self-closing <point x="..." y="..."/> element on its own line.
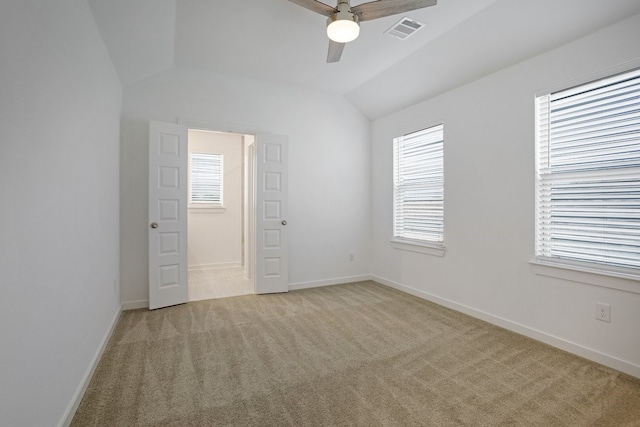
<point x="60" y="104"/>
<point x="215" y="236"/>
<point x="489" y="208"/>
<point x="329" y="158"/>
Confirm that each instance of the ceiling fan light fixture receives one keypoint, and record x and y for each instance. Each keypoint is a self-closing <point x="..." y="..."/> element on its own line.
<point x="343" y="31"/>
<point x="343" y="27"/>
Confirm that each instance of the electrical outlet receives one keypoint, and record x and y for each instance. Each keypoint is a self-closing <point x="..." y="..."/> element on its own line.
<point x="351" y="257"/>
<point x="603" y="312"/>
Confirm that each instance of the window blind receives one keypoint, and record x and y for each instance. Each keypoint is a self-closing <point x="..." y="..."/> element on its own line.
<point x="206" y="178"/>
<point x="588" y="173"/>
<point x="418" y="196"/>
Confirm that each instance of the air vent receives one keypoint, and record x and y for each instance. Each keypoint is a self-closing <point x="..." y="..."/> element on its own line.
<point x="404" y="28"/>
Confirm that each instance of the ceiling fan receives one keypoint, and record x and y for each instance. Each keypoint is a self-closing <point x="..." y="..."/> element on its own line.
<point x="343" y="20"/>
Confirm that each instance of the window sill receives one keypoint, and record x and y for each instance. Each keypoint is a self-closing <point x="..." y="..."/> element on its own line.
<point x="602" y="278"/>
<point x="206" y="209"/>
<point x="421" y="248"/>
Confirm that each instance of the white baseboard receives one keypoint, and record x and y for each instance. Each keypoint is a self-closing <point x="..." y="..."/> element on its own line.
<point x="319" y="283"/>
<point x="563" y="344"/>
<point x="214" y="265"/>
<point x="134" y="305"/>
<point x="86" y="378"/>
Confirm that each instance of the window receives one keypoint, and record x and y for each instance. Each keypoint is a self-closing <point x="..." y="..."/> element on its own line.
<point x="418" y="187"/>
<point x="588" y="175"/>
<point x="206" y="178"/>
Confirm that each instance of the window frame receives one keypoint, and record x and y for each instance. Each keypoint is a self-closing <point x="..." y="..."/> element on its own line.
<point x="584" y="271"/>
<point x="400" y="240"/>
<point x="209" y="205"/>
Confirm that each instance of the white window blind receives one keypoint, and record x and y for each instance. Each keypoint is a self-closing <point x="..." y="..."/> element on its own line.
<point x="206" y="178"/>
<point x="418" y="186"/>
<point x="588" y="174"/>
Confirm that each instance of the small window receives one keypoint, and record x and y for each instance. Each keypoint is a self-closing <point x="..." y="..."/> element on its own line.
<point x="418" y="187"/>
<point x="588" y="175"/>
<point x="206" y="178"/>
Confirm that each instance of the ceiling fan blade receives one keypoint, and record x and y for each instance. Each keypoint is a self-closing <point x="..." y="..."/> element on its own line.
<point x="335" y="51"/>
<point x="382" y="8"/>
<point x="316" y="6"/>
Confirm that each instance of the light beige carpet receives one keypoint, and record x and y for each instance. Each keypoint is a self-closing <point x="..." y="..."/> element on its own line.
<point x="349" y="355"/>
<point x="218" y="282"/>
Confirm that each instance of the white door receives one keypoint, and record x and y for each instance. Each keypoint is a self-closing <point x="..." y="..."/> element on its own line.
<point x="272" y="258"/>
<point x="167" y="214"/>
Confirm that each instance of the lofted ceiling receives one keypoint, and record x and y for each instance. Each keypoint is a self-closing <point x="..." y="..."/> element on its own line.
<point x="279" y="41"/>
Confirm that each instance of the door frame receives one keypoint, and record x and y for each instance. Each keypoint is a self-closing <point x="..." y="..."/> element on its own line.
<point x="247" y="199"/>
<point x="249" y="161"/>
<point x="243" y="130"/>
<point x="249" y="212"/>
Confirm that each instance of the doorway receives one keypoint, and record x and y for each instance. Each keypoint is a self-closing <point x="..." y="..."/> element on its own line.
<point x="265" y="257"/>
<point x="220" y="214"/>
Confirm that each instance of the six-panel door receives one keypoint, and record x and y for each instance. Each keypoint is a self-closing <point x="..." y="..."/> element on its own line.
<point x="167" y="215"/>
<point x="272" y="269"/>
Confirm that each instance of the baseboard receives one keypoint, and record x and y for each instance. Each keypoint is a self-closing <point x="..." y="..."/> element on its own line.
<point x="329" y="282"/>
<point x="214" y="265"/>
<point x="79" y="394"/>
<point x="563" y="344"/>
<point x="134" y="305"/>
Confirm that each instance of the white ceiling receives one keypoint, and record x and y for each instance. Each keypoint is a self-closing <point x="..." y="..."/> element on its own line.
<point x="278" y="41"/>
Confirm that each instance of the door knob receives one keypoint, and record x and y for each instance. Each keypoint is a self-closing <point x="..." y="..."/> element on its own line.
<point x="154" y="225"/>
<point x="284" y="222"/>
